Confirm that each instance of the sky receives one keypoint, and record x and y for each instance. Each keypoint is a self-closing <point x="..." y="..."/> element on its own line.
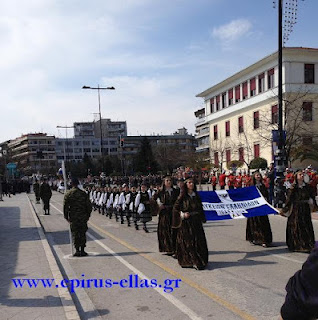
<point x="158" y="54"/>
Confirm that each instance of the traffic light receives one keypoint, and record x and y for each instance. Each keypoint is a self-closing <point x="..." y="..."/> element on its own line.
<point x="122" y="142"/>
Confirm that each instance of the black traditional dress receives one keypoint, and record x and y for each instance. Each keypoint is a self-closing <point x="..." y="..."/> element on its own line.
<point x="302" y="291"/>
<point x="191" y="245"/>
<point x="299" y="231"/>
<point x="258" y="229"/>
<point x="165" y="199"/>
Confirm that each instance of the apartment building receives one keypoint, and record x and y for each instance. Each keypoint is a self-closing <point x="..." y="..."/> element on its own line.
<point x="33" y="152"/>
<point x="240" y="113"/>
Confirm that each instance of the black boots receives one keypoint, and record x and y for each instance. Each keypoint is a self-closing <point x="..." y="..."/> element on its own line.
<point x="77" y="253"/>
<point x="83" y="253"/>
<point x="80" y="252"/>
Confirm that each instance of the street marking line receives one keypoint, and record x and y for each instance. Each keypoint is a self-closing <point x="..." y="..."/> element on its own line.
<point x="64" y="295"/>
<point x="176" y="302"/>
<point x="191" y="283"/>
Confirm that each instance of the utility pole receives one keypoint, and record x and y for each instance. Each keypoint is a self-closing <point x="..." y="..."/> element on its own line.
<point x="98" y="88"/>
<point x="289" y="15"/>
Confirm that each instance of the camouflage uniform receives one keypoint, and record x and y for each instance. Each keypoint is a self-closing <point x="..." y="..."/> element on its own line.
<point x="77" y="210"/>
<point x="36" y="190"/>
<point x="45" y="194"/>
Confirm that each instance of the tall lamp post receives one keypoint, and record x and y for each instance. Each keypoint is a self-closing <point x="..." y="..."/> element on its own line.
<point x="288" y="15"/>
<point x="98" y="88"/>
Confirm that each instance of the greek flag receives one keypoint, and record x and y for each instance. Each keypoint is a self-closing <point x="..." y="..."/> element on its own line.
<point x="235" y="204"/>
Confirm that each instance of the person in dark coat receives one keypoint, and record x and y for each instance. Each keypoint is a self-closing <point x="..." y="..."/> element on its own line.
<point x="300" y="235"/>
<point x="301" y="302"/>
<point x="36" y="190"/>
<point x="45" y="195"/>
<point x="166" y="198"/>
<point x="258" y="229"/>
<point x="188" y="218"/>
<point x="77" y="210"/>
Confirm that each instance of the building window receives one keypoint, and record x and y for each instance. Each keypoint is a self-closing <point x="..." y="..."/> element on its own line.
<point x="307" y="140"/>
<point x="224" y="105"/>
<point x="275" y="114"/>
<point x="261" y="83"/>
<point x="237" y="93"/>
<point x="245" y="90"/>
<point x="307" y="111"/>
<point x="230" y="93"/>
<point x="212" y="105"/>
<point x="228" y="155"/>
<point x="256" y="119"/>
<point x="215" y="132"/>
<point x="216" y="158"/>
<point x="218" y="103"/>
<point x="241" y="154"/>
<point x="227" y="129"/>
<point x="309" y="73"/>
<point x="270" y="78"/>
<point x="252" y="87"/>
<point x="256" y="151"/>
<point x="240" y="124"/>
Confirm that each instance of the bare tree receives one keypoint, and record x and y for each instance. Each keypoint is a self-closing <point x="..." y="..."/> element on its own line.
<point x="295" y="121"/>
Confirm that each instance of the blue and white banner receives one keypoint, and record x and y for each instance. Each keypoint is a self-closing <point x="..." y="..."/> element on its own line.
<point x="235" y="204"/>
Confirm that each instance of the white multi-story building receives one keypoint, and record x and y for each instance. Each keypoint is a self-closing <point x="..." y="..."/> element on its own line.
<point x="33" y="152"/>
<point x="241" y="111"/>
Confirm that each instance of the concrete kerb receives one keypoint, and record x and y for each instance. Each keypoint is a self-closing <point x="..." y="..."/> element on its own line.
<point x="70" y="310"/>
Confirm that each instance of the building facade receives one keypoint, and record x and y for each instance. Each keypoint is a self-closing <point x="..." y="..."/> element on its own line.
<point x="241" y="112"/>
<point x="33" y="152"/>
<point x="87" y="140"/>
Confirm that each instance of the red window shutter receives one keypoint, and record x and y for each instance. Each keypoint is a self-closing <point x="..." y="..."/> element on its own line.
<point x="271" y="72"/>
<point x="216" y="158"/>
<point x="215" y="130"/>
<point x="261" y="76"/>
<point x="244" y="89"/>
<point x="231" y="93"/>
<point x="256" y="119"/>
<point x="228" y="155"/>
<point x="237" y="92"/>
<point x="253" y="84"/>
<point x="241" y="154"/>
<point x="227" y="128"/>
<point x="217" y="98"/>
<point x="274" y="109"/>
<point x="256" y="151"/>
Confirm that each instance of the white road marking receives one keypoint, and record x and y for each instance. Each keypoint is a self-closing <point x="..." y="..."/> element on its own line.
<point x="177" y="303"/>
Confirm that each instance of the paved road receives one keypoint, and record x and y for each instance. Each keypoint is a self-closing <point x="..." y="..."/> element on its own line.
<point x="241" y="282"/>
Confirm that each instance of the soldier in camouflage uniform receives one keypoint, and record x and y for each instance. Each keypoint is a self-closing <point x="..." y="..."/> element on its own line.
<point x="77" y="210"/>
<point x="45" y="195"/>
<point x="36" y="190"/>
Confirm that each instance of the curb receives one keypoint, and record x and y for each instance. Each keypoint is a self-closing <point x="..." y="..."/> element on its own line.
<point x="70" y="310"/>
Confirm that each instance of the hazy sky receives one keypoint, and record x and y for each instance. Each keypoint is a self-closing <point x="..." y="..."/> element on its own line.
<point x="158" y="54"/>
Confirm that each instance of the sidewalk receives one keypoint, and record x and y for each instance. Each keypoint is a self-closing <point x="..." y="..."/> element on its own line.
<point x="22" y="255"/>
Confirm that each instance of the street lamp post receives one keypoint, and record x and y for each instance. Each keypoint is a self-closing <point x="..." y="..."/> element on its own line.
<point x="290" y="17"/>
<point x="98" y="88"/>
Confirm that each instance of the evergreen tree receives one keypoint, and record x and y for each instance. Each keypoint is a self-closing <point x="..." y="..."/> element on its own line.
<point x="144" y="161"/>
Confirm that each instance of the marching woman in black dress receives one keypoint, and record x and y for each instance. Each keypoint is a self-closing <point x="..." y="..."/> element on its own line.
<point x="300" y="235"/>
<point x="165" y="198"/>
<point x="188" y="218"/>
<point x="258" y="229"/>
